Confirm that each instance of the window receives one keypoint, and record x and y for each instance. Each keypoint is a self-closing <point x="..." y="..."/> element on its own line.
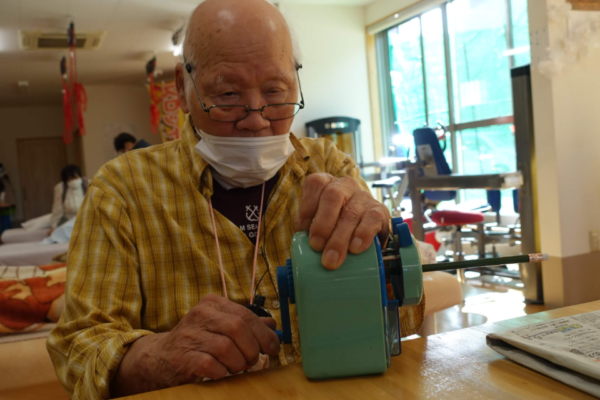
<point x="450" y="66"/>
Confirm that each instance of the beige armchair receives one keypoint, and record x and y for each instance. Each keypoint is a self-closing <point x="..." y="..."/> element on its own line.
<point x="442" y="291"/>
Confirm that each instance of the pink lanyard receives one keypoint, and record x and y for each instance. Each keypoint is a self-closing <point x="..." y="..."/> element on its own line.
<point x="212" y="215"/>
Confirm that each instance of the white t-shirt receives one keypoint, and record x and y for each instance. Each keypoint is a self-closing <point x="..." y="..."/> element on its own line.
<point x="73" y="200"/>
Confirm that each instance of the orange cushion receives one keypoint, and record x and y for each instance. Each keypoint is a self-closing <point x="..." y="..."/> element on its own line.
<point x="31" y="297"/>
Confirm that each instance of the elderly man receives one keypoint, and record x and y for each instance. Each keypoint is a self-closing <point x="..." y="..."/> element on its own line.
<point x="173" y="241"/>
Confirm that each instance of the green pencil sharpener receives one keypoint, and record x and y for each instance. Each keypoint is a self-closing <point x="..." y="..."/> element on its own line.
<point x="348" y="320"/>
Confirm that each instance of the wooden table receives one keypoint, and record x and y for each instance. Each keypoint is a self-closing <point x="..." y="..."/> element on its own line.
<point x="453" y="365"/>
<point x="26" y="372"/>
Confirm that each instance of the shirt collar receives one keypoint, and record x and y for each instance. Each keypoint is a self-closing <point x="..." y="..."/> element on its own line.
<point x="297" y="163"/>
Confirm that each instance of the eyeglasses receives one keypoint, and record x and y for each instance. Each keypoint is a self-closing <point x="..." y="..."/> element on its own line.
<point x="235" y="113"/>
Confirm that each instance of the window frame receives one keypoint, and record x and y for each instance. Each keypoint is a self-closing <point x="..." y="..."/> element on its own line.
<point x="387" y="111"/>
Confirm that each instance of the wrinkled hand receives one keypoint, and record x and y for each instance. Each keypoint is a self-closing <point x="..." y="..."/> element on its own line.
<point x="339" y="216"/>
<point x="217" y="336"/>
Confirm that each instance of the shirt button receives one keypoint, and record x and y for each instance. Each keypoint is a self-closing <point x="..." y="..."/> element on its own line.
<point x="290" y="359"/>
<point x="275" y="304"/>
<point x="260" y="250"/>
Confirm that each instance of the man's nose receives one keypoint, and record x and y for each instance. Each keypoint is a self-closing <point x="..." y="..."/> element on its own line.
<point x="254" y="121"/>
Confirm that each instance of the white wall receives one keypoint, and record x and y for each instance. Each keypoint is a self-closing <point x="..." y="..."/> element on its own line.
<point x="25" y="123"/>
<point x="118" y="106"/>
<point x="381" y="9"/>
<point x="334" y="74"/>
<point x="334" y="81"/>
<point x="113" y="109"/>
<point x="567" y="134"/>
<point x="577" y="124"/>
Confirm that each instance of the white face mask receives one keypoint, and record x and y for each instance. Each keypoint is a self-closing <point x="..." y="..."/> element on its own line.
<point x="244" y="161"/>
<point x="75" y="183"/>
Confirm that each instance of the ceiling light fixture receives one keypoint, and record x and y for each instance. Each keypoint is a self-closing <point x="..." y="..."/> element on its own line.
<point x="177" y="40"/>
<point x="178" y="50"/>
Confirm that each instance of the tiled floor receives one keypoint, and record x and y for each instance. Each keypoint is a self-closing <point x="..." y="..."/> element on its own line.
<point x="485" y="302"/>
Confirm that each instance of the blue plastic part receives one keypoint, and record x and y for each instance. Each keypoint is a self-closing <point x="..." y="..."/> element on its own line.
<point x="291" y="290"/>
<point x="395" y="226"/>
<point x="404" y="236"/>
<point x="283" y="283"/>
<point x="384" y="297"/>
<point x="397" y="221"/>
<point x="394" y="304"/>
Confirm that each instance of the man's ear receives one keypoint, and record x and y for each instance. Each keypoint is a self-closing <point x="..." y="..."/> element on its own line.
<point x="180" y="82"/>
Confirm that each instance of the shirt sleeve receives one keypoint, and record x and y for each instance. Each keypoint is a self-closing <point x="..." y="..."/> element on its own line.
<point x="340" y="164"/>
<point x="103" y="301"/>
<point x="57" y="206"/>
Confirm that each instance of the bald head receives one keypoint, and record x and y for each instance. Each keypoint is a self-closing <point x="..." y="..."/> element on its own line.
<point x="222" y="29"/>
<point x="240" y="53"/>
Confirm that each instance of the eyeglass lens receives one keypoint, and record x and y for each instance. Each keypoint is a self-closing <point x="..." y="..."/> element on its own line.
<point x="236" y="113"/>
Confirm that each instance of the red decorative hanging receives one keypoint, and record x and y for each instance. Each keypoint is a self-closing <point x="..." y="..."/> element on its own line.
<point x="81" y="101"/>
<point x="154" y="112"/>
<point x="73" y="92"/>
<point x="67" y="106"/>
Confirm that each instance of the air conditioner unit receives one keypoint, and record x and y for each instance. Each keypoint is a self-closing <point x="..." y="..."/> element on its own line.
<point x="29" y="40"/>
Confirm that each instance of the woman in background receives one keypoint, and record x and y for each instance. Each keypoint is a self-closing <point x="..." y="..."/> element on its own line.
<point x="68" y="195"/>
<point x="7" y="203"/>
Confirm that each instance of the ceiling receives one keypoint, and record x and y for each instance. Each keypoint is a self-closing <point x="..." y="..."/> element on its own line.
<point x="328" y="2"/>
<point x="136" y="29"/>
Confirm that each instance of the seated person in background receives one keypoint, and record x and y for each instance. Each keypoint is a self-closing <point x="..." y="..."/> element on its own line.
<point x="156" y="290"/>
<point x="7" y="193"/>
<point x="68" y="196"/>
<point x="2" y="185"/>
<point x="7" y="206"/>
<point x="126" y="142"/>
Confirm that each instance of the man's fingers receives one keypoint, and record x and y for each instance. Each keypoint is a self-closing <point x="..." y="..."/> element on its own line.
<point x="206" y="366"/>
<point x="336" y="249"/>
<point x="226" y="352"/>
<point x="236" y="329"/>
<point x="270" y="322"/>
<point x="311" y="192"/>
<point x="333" y="198"/>
<point x="218" y="315"/>
<point x="267" y="339"/>
<point x="218" y="336"/>
<point x="373" y="222"/>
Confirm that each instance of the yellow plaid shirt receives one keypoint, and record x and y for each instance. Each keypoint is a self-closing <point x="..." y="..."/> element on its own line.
<point x="143" y="253"/>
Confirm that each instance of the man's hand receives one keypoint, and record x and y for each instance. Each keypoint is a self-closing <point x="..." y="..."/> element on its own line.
<point x="339" y="216"/>
<point x="217" y="336"/>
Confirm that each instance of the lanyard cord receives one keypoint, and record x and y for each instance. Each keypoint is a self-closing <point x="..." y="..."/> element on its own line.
<point x="212" y="215"/>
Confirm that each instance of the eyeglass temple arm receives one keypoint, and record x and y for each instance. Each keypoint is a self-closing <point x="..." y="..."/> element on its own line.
<point x="298" y="67"/>
<point x="188" y="68"/>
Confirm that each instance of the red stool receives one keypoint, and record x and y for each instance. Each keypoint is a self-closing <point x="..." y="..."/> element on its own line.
<point x="458" y="219"/>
